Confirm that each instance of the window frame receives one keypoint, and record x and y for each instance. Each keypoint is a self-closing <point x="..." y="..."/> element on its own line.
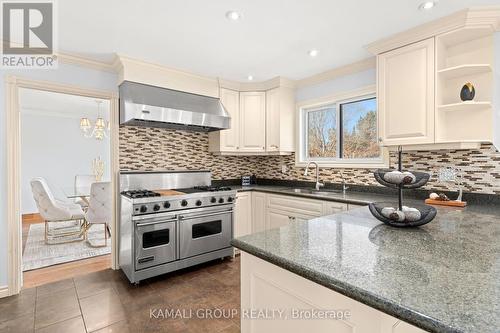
<point x="303" y="109"/>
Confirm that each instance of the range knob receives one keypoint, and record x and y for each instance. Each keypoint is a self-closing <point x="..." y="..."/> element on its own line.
<point x="230" y="199"/>
<point x="156" y="207"/>
<point x="213" y="200"/>
<point x="144" y="209"/>
<point x="221" y="200"/>
<point x="198" y="203"/>
<point x="166" y="205"/>
<point x="184" y="203"/>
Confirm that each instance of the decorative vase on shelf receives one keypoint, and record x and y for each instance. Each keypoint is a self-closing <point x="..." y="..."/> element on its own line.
<point x="468" y="92"/>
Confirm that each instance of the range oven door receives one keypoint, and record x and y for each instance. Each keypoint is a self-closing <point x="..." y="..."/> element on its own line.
<point x="203" y="232"/>
<point x="155" y="241"/>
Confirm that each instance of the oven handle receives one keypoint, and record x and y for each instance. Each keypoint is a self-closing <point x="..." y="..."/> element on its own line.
<point x="182" y="217"/>
<point x="155" y="222"/>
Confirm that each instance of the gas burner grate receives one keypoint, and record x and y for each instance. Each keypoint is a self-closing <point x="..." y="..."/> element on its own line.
<point x="137" y="194"/>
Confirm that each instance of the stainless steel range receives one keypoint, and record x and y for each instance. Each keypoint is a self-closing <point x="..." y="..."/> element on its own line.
<point x="172" y="220"/>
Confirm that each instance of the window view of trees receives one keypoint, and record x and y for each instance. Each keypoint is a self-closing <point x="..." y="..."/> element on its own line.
<point x="358" y="130"/>
<point x="322" y="132"/>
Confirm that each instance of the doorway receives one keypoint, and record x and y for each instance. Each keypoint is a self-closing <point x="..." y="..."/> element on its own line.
<point x="65" y="144"/>
<point x="54" y="141"/>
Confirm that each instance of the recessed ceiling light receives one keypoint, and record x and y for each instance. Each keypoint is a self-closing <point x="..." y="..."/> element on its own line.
<point x="233" y="16"/>
<point x="313" y="52"/>
<point x="250" y="77"/>
<point x="427" y="5"/>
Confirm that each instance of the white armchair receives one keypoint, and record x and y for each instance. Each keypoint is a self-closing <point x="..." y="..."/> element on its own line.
<point x="54" y="210"/>
<point x="100" y="209"/>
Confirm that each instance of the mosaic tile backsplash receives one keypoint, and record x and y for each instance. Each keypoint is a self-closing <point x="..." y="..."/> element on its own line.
<point x="150" y="149"/>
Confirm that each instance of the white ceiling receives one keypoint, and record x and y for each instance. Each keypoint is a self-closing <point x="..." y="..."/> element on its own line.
<point x="273" y="37"/>
<point x="60" y="105"/>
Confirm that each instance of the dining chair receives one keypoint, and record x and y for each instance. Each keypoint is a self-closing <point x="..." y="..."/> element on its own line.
<point x="55" y="211"/>
<point x="100" y="210"/>
<point x="82" y="183"/>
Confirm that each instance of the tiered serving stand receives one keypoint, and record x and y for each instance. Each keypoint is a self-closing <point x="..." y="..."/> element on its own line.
<point x="421" y="178"/>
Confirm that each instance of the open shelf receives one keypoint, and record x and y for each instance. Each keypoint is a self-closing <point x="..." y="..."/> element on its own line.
<point x="464" y="70"/>
<point x="463" y="106"/>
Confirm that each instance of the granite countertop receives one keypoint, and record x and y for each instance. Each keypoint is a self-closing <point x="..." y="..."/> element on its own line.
<point x="352" y="197"/>
<point x="442" y="277"/>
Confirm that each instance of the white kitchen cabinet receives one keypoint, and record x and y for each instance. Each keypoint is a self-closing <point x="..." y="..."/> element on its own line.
<point x="259" y="208"/>
<point x="228" y="140"/>
<point x="353" y="206"/>
<point x="405" y="94"/>
<point x="295" y="206"/>
<point x="262" y="120"/>
<point x="280" y="120"/>
<point x="276" y="218"/>
<point x="243" y="215"/>
<point x="331" y="207"/>
<point x="266" y="286"/>
<point x="252" y="121"/>
<point x="258" y="211"/>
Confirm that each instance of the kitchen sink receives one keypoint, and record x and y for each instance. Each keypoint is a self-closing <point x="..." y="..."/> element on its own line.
<point x="313" y="191"/>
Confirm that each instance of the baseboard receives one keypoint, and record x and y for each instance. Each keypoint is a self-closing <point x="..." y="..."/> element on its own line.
<point x="4" y="291"/>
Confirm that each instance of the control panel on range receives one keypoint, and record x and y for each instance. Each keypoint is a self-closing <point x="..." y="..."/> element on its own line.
<point x="171" y="205"/>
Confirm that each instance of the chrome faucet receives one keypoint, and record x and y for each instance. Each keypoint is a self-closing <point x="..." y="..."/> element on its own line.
<point x="318" y="184"/>
<point x="344" y="186"/>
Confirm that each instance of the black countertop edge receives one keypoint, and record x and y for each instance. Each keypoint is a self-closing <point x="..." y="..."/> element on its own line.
<point x="419" y="194"/>
<point x="393" y="309"/>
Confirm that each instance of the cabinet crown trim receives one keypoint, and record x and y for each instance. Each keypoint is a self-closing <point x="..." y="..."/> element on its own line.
<point x="487" y="17"/>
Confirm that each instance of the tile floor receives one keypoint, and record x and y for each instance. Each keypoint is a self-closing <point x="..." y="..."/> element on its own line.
<point x="106" y="302"/>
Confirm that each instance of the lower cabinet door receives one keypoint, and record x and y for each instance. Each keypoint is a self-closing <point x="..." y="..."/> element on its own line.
<point x="276" y="218"/>
<point x="259" y="208"/>
<point x="243" y="215"/>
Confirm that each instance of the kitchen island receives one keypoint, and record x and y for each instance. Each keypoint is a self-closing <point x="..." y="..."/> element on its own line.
<point x="441" y="277"/>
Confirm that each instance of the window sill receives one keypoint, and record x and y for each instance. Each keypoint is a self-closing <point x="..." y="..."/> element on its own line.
<point x="347" y="165"/>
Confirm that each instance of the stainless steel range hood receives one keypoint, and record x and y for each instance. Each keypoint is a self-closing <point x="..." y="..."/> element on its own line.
<point x="150" y="106"/>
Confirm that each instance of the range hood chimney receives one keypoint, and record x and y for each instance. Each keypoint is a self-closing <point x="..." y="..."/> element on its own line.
<point x="150" y="106"/>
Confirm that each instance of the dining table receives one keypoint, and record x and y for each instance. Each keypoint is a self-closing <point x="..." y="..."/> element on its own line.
<point x="82" y="192"/>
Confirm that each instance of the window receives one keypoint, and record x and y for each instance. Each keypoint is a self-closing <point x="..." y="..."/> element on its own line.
<point x="342" y="133"/>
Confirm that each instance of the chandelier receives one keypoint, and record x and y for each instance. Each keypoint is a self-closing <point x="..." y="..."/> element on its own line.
<point x="99" y="130"/>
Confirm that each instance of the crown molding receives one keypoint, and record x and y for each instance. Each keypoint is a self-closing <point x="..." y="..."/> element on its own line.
<point x="72" y="59"/>
<point x="484" y="17"/>
<point x="122" y="60"/>
<point x="258" y="86"/>
<point x="356" y="67"/>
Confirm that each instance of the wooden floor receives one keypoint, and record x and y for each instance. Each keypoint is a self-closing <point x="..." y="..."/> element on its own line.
<point x="54" y="273"/>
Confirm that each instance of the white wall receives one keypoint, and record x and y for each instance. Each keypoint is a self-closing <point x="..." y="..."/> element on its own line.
<point x="337" y="85"/>
<point x="53" y="147"/>
<point x="66" y="74"/>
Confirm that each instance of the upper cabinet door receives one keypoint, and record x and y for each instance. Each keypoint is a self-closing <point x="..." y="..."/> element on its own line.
<point x="253" y="121"/>
<point x="406" y="94"/>
<point x="273" y="120"/>
<point x="229" y="139"/>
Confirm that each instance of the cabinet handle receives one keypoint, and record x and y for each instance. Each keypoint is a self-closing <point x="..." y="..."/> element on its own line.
<point x="263" y="148"/>
<point x="237" y="147"/>
<point x="274" y="146"/>
<point x="379" y="139"/>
